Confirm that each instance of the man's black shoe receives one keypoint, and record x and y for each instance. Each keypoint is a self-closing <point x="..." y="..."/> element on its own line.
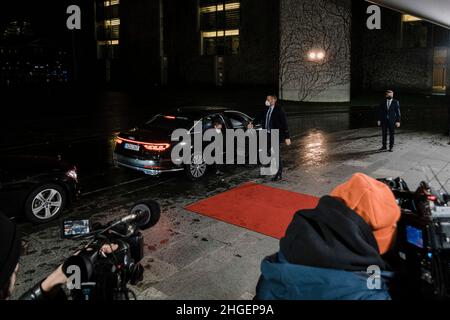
<point x="383" y="149"/>
<point x="219" y="173"/>
<point x="391" y="149"/>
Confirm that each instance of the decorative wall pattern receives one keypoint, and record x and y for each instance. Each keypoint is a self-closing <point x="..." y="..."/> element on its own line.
<point x="315" y="48"/>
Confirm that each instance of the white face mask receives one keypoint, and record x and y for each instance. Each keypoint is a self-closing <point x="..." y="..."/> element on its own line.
<point x="218" y="131"/>
<point x="268" y="103"/>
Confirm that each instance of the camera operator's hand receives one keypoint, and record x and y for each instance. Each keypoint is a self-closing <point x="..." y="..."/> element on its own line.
<point x="109" y="248"/>
<point x="57" y="278"/>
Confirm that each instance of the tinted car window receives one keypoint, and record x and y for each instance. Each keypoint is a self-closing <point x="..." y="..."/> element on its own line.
<point x="237" y="120"/>
<point x="208" y="121"/>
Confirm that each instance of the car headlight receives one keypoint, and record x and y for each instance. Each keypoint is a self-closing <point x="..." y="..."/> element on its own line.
<point x="72" y="174"/>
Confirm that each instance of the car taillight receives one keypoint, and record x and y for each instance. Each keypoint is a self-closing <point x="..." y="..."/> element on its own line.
<point x="119" y="141"/>
<point x="72" y="174"/>
<point x="157" y="146"/>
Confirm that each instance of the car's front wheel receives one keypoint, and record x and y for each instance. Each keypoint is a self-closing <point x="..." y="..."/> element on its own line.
<point x="197" y="169"/>
<point x="45" y="203"/>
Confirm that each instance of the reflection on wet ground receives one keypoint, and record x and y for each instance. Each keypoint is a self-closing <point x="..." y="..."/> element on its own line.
<point x="313" y="150"/>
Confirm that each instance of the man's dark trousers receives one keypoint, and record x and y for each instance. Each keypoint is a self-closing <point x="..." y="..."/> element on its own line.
<point x="278" y="158"/>
<point x="277" y="121"/>
<point x="388" y="127"/>
<point x="389" y="116"/>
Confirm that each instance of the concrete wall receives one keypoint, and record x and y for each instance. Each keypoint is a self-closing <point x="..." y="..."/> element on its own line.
<point x="315" y="25"/>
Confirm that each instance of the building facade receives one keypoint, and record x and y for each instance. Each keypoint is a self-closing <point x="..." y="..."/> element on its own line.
<point x="199" y="42"/>
<point x="407" y="54"/>
<point x="309" y="50"/>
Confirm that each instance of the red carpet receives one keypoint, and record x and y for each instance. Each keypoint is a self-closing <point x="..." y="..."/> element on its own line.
<point x="256" y="207"/>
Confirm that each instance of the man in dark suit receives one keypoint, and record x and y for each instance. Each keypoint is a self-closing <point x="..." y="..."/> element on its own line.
<point x="389" y="117"/>
<point x="274" y="117"/>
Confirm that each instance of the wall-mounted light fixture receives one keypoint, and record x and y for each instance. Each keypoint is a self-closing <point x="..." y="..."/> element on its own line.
<point x="316" y="55"/>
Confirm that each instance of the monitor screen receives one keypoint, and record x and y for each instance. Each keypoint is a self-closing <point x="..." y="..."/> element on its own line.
<point x="414" y="236"/>
<point x="73" y="228"/>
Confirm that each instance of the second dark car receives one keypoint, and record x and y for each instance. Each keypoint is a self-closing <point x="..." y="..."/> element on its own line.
<point x="39" y="188"/>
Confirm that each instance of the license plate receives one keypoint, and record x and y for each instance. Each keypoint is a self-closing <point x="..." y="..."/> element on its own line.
<point x="133" y="147"/>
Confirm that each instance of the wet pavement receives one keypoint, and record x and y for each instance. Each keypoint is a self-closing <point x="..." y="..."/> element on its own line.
<point x="188" y="256"/>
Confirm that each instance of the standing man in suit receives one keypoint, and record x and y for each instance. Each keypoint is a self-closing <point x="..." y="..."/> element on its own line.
<point x="274" y="117"/>
<point x="389" y="118"/>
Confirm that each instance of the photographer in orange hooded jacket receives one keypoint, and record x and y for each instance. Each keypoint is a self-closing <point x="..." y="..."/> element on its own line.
<point x="330" y="252"/>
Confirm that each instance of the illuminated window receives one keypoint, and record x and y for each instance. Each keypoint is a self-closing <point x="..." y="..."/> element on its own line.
<point x="108" y="29"/>
<point x="108" y="43"/>
<point x="111" y="3"/>
<point x="221" y="7"/>
<point x="414" y="32"/>
<point x="112" y="22"/>
<point x="111" y="28"/>
<point x="219" y="27"/>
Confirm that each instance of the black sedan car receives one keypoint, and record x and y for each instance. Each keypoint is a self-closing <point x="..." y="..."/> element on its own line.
<point x="148" y="148"/>
<point x="39" y="188"/>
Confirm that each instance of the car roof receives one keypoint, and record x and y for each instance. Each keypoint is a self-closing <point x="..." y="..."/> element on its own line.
<point x="196" y="111"/>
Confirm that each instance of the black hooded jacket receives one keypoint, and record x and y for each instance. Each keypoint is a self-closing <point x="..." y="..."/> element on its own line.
<point x="331" y="236"/>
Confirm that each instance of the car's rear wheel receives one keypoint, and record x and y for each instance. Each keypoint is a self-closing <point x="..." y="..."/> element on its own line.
<point x="45" y="203"/>
<point x="197" y="169"/>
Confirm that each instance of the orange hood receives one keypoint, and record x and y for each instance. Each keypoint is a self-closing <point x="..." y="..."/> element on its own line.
<point x="375" y="203"/>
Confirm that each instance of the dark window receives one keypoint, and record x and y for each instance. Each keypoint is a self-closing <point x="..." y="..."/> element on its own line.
<point x="237" y="120"/>
<point x="207" y="123"/>
<point x="414" y="32"/>
<point x="441" y="36"/>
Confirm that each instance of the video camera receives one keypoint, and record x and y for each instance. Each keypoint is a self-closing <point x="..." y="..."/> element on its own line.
<point x="423" y="239"/>
<point x="102" y="276"/>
